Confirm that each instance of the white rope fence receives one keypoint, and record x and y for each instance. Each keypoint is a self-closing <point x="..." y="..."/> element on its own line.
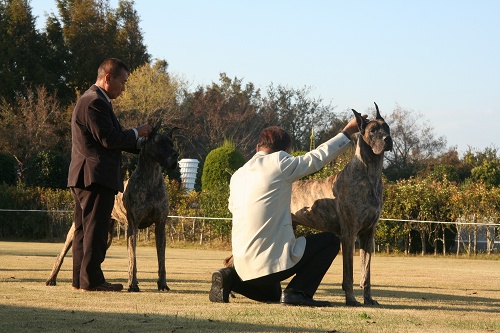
<point x="229" y="219"/>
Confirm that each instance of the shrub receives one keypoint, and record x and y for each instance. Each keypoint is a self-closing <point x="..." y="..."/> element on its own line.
<point x="48" y="169"/>
<point x="28" y="219"/>
<point x="8" y="170"/>
<point x="219" y="166"/>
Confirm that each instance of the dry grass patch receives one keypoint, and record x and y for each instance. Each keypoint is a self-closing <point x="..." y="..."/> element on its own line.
<point x="430" y="294"/>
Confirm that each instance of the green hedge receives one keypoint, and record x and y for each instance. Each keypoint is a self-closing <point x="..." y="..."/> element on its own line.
<point x="38" y="215"/>
<point x="8" y="169"/>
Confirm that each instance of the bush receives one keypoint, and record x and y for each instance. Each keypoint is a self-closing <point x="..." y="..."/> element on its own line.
<point x="8" y="170"/>
<point x="36" y="224"/>
<point x="220" y="164"/>
<point x="48" y="169"/>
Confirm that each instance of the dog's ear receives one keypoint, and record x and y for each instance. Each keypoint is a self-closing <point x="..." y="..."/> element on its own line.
<point x="361" y="121"/>
<point x="379" y="117"/>
<point x="156" y="128"/>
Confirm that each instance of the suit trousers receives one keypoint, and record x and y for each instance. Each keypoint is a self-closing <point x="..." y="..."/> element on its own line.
<point x="321" y="249"/>
<point x="92" y="216"/>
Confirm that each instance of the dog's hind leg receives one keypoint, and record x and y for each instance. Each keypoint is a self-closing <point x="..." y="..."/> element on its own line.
<point x="51" y="281"/>
<point x="160" y="252"/>
<point x="365" y="253"/>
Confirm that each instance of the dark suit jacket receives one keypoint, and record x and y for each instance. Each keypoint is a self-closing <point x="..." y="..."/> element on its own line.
<point x="97" y="143"/>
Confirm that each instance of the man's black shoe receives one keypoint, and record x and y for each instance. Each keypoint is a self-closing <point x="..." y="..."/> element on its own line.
<point x="296" y="297"/>
<point x="106" y="286"/>
<point x="221" y="285"/>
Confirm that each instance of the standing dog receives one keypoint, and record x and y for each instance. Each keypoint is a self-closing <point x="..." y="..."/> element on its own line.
<point x="144" y="202"/>
<point x="349" y="203"/>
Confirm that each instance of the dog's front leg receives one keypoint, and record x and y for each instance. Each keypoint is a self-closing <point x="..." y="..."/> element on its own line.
<point x="160" y="252"/>
<point x="133" y="284"/>
<point x="347" y="257"/>
<point x="365" y="253"/>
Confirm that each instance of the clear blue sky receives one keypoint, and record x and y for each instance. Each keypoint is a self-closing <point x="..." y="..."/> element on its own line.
<point x="439" y="58"/>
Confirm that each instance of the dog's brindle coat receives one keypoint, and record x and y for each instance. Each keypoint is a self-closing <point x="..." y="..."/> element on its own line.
<point x="349" y="203"/>
<point x="144" y="202"/>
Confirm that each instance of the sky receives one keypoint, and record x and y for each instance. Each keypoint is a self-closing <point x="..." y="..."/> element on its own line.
<point x="437" y="58"/>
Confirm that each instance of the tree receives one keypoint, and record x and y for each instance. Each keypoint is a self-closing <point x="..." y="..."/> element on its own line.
<point x="21" y="50"/>
<point x="224" y="110"/>
<point x="130" y="43"/>
<point x="8" y="169"/>
<point x="57" y="59"/>
<point x="414" y="143"/>
<point x="31" y="125"/>
<point x="151" y="92"/>
<point x="484" y="166"/>
<point x="293" y="110"/>
<point x="447" y="166"/>
<point x="48" y="169"/>
<point x="92" y="32"/>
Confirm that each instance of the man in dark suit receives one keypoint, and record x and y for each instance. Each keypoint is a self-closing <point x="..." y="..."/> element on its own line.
<point x="94" y="172"/>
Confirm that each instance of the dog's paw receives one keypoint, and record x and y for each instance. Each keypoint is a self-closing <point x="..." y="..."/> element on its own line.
<point x="370" y="301"/>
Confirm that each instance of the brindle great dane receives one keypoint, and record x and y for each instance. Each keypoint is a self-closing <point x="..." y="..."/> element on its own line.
<point x="144" y="202"/>
<point x="349" y="203"/>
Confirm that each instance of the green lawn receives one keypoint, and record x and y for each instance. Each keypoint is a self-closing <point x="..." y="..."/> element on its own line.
<point x="416" y="294"/>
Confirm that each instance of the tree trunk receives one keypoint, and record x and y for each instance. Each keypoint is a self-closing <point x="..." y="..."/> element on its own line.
<point x="475" y="240"/>
<point x="444" y="239"/>
<point x="459" y="237"/>
<point x="422" y="240"/>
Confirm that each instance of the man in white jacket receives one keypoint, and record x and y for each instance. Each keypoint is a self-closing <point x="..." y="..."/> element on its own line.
<point x="265" y="250"/>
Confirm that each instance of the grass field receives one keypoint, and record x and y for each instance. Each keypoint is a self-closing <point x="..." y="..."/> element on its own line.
<point x="416" y="294"/>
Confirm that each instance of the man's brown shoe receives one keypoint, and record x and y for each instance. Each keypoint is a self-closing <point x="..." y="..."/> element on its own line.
<point x="106" y="286"/>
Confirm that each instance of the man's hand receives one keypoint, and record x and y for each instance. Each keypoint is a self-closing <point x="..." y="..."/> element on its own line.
<point x="352" y="126"/>
<point x="144" y="130"/>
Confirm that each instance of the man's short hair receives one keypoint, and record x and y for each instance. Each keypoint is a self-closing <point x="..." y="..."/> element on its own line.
<point x="112" y="66"/>
<point x="274" y="138"/>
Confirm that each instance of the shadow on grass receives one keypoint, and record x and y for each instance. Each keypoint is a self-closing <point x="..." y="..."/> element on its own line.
<point x="417" y="296"/>
<point x="16" y="319"/>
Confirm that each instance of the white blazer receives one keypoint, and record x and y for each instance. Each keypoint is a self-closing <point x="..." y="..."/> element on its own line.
<point x="263" y="241"/>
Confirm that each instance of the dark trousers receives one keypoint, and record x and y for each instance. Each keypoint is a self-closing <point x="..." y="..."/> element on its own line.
<point x="93" y="206"/>
<point x="321" y="250"/>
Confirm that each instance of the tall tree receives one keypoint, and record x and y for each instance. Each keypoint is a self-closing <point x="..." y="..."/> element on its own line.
<point x="57" y="59"/>
<point x="93" y="31"/>
<point x="89" y="30"/>
<point x="414" y="144"/>
<point x="297" y="113"/>
<point x="151" y="92"/>
<point x="129" y="39"/>
<point x="20" y="49"/>
<point x="224" y="110"/>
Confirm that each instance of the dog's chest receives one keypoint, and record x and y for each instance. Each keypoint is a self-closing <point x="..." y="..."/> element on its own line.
<point x="359" y="190"/>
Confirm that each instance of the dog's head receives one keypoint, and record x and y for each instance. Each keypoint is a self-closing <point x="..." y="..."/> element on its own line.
<point x="376" y="133"/>
<point x="160" y="147"/>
